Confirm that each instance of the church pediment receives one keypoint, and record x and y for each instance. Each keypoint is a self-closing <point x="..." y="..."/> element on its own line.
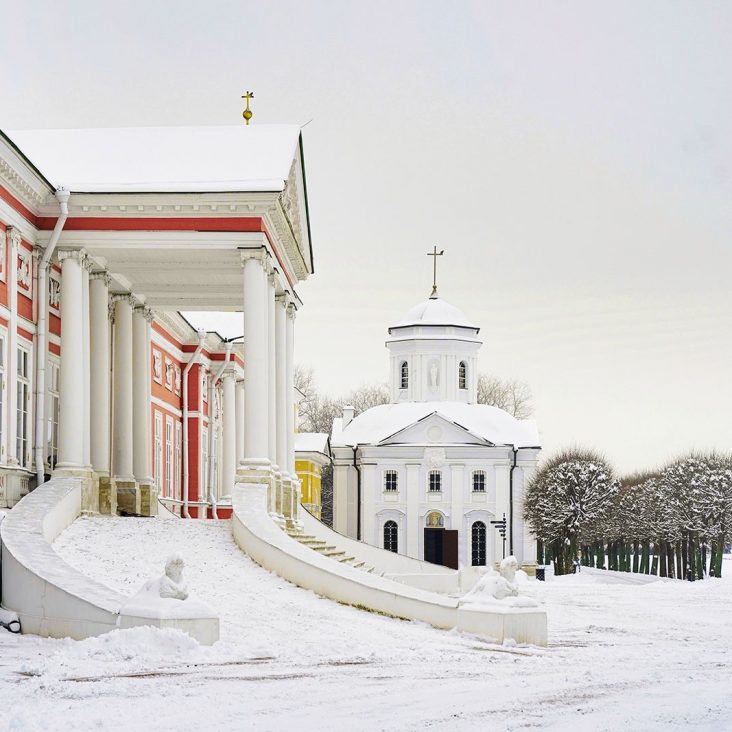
<point x="434" y="429"/>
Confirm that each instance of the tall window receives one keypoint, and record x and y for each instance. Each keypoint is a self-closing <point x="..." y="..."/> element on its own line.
<point x="22" y="410"/>
<point x="435" y="481"/>
<point x="178" y="458"/>
<point x="463" y="375"/>
<point x="404" y="375"/>
<point x="391" y="536"/>
<point x="52" y="419"/>
<point x="390" y="480"/>
<point x="158" y="464"/>
<point x="169" y="457"/>
<point x="478" y="544"/>
<point x="204" y="464"/>
<point x="479" y="481"/>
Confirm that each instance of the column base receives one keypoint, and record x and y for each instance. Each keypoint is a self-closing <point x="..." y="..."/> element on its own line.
<point x="148" y="499"/>
<point x="89" y="486"/>
<point x="253" y="470"/>
<point x="107" y="496"/>
<point x="128" y="496"/>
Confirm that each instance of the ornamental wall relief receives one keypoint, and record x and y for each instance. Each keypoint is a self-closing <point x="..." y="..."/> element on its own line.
<point x="54" y="294"/>
<point x="158" y="366"/>
<point x="434" y="457"/>
<point x="169" y="374"/>
<point x="25" y="270"/>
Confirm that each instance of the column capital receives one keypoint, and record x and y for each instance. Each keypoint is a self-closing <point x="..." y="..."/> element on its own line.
<point x="291" y="310"/>
<point x="13" y="235"/>
<point x="37" y="252"/>
<point x="78" y="254"/>
<point x="127" y="297"/>
<point x="101" y="275"/>
<point x="260" y="253"/>
<point x="145" y="311"/>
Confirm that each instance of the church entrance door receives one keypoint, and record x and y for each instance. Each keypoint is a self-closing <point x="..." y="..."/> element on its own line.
<point x="441" y="547"/>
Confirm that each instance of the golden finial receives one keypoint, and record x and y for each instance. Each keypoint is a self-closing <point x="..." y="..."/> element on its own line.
<point x="247" y="113"/>
<point x="434" y="253"/>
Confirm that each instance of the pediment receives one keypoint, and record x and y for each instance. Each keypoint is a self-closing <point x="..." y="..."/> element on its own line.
<point x="434" y="429"/>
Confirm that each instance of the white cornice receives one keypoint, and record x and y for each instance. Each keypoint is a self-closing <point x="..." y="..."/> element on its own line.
<point x="21" y="180"/>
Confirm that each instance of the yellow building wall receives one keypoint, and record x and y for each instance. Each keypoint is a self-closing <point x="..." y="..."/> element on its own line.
<point x="309" y="474"/>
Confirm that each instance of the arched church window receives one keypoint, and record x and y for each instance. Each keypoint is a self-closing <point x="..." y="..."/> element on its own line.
<point x="478" y="544"/>
<point x="479" y="481"/>
<point x="435" y="520"/>
<point x="463" y="375"/>
<point x="390" y="480"/>
<point x="391" y="537"/>
<point x="435" y="485"/>
<point x="404" y="376"/>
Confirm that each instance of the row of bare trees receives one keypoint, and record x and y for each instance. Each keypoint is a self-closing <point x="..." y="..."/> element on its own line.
<point x="674" y="522"/>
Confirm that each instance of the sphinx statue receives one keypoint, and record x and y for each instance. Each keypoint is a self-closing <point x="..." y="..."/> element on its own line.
<point x="499" y="586"/>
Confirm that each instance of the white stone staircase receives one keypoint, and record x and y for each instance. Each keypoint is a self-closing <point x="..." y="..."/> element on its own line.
<point x="327" y="550"/>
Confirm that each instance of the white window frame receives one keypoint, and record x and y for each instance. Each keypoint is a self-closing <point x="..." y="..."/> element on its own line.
<point x="23" y="410"/>
<point x="478" y="474"/>
<point x="169" y="456"/>
<point x="391" y="474"/>
<point x="404" y="375"/>
<point x="203" y="487"/>
<point x="434" y="474"/>
<point x="178" y="459"/>
<point x="158" y="452"/>
<point x="3" y="395"/>
<point x="52" y="411"/>
<point x="463" y="376"/>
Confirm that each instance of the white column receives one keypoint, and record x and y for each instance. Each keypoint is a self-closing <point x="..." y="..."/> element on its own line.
<point x="141" y="445"/>
<point x="272" y="371"/>
<point x="281" y="396"/>
<point x="86" y="362"/>
<point x="290" y="407"/>
<point x="13" y="243"/>
<point x="71" y="377"/>
<point x="228" y="456"/>
<point x="240" y="427"/>
<point x="99" y="371"/>
<point x="256" y="329"/>
<point x="123" y="392"/>
<point x="289" y="388"/>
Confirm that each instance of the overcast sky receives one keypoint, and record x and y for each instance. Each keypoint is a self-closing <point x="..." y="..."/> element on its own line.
<point x="574" y="160"/>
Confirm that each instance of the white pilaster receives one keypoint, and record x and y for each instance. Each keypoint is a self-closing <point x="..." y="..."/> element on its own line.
<point x="289" y="389"/>
<point x="413" y="527"/>
<point x="256" y="402"/>
<point x="141" y="410"/>
<point x="228" y="458"/>
<point x="282" y="456"/>
<point x="272" y="356"/>
<point x="13" y="244"/>
<point x="123" y="390"/>
<point x="71" y="377"/>
<point x="99" y="371"/>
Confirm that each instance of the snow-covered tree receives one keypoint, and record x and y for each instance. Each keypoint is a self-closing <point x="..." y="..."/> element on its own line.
<point x="568" y="501"/>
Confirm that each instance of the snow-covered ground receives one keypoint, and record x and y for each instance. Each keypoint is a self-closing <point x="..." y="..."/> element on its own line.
<point x="621" y="655"/>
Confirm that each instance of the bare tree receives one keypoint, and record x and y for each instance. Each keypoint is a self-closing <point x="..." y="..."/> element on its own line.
<point x="511" y="395"/>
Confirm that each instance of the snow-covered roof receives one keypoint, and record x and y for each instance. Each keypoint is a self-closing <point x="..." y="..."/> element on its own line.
<point x="312" y="442"/>
<point x="162" y="159"/>
<point x="434" y="311"/>
<point x="490" y="423"/>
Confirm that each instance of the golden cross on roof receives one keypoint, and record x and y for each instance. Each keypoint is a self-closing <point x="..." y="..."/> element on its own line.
<point x="434" y="253"/>
<point x="247" y="113"/>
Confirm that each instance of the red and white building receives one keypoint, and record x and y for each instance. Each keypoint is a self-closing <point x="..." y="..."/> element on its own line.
<point x="105" y="236"/>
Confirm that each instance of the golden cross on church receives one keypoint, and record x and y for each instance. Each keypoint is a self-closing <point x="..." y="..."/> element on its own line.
<point x="434" y="253"/>
<point x="247" y="113"/>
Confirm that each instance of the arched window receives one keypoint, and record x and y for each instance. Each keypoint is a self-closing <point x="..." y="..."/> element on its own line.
<point x="479" y="481"/>
<point x="404" y="375"/>
<point x="391" y="480"/>
<point x="435" y="485"/>
<point x="435" y="520"/>
<point x="391" y="536"/>
<point x="463" y="375"/>
<point x="478" y="544"/>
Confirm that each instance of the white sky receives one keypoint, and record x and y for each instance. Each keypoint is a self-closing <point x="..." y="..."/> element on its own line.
<point x="574" y="159"/>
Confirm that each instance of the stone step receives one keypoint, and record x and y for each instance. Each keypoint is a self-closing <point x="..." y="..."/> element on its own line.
<point x="324" y="548"/>
<point x="333" y="554"/>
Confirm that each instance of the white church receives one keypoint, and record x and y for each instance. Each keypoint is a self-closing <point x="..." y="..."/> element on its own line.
<point x="426" y="475"/>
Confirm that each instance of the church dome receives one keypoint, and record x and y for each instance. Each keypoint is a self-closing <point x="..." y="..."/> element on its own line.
<point x="434" y="311"/>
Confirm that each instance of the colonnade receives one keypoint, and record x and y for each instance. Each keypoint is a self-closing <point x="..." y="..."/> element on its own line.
<point x="104" y="428"/>
<point x="105" y="390"/>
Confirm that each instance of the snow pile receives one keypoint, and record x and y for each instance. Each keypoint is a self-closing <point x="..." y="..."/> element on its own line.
<point x="129" y="651"/>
